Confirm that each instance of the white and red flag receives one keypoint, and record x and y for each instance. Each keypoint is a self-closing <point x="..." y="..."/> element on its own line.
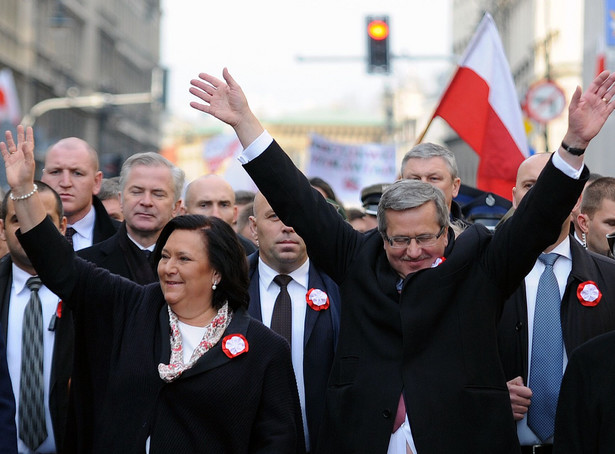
<point x="482" y="106"/>
<point x="9" y="103"/>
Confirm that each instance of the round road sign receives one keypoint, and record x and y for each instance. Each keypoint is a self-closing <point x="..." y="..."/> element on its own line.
<point x="545" y="100"/>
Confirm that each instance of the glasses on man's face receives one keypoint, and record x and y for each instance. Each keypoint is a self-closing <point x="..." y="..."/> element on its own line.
<point x="425" y="239"/>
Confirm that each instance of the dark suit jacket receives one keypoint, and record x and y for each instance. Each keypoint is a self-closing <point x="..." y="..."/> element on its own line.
<point x="248" y="245"/>
<point x="579" y="323"/>
<point x="319" y="341"/>
<point x="104" y="225"/>
<point x="585" y="420"/>
<point x="8" y="432"/>
<point x="437" y="339"/>
<point x="245" y="404"/>
<point x="62" y="362"/>
<point x="120" y="255"/>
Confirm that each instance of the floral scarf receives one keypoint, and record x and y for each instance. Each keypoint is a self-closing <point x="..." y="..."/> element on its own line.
<point x="213" y="333"/>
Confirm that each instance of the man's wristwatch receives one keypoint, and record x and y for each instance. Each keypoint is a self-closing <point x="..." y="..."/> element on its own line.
<point x="574" y="151"/>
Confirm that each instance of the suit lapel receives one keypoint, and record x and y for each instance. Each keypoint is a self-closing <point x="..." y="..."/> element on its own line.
<point x="5" y="293"/>
<point x="254" y="308"/>
<point x="216" y="357"/>
<point x="311" y="316"/>
<point x="582" y="265"/>
<point x="521" y="305"/>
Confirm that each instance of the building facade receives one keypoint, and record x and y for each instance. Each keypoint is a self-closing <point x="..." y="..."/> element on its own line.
<point x="76" y="48"/>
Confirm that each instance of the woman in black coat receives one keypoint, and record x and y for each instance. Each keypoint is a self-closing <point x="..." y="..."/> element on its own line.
<point x="190" y="370"/>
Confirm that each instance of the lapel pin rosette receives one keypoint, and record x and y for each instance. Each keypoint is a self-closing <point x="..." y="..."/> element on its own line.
<point x="589" y="294"/>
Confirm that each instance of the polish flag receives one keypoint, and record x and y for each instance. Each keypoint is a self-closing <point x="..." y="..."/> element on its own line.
<point x="481" y="105"/>
<point x="9" y="103"/>
<point x="601" y="63"/>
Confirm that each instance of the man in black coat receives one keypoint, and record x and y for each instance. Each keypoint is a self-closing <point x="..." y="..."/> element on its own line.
<point x="150" y="188"/>
<point x="580" y="319"/>
<point x="585" y="421"/>
<point x="15" y="269"/>
<point x="8" y="432"/>
<point x="212" y="195"/>
<point x="418" y="332"/>
<point x="314" y="309"/>
<point x="72" y="170"/>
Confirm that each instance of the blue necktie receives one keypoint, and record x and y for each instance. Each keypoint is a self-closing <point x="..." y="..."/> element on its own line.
<point x="547" y="352"/>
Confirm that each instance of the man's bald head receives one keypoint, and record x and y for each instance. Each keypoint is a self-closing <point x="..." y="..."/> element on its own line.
<point x="211" y="195"/>
<point x="527" y="174"/>
<point x="71" y="169"/>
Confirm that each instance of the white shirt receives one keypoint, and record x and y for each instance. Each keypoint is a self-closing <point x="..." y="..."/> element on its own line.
<point x="191" y="338"/>
<point x="149" y="248"/>
<point x="20" y="295"/>
<point x="297" y="289"/>
<point x="256" y="148"/>
<point x="84" y="228"/>
<point x="562" y="268"/>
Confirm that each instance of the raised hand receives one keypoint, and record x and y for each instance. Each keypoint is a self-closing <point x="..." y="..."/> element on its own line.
<point x="226" y="101"/>
<point x="19" y="159"/>
<point x="588" y="111"/>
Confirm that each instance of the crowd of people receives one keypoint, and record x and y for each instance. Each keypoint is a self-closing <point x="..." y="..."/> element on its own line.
<point x="143" y="314"/>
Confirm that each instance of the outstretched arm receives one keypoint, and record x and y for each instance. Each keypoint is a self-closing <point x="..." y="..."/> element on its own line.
<point x="587" y="114"/>
<point x="19" y="164"/>
<point x="226" y="101"/>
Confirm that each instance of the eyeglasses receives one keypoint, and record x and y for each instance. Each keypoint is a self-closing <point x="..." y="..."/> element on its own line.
<point x="426" y="239"/>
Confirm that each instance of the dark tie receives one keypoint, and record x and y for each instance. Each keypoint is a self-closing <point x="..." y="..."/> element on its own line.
<point x="547" y="352"/>
<point x="32" y="425"/>
<point x="281" y="321"/>
<point x="69" y="234"/>
<point x="147" y="253"/>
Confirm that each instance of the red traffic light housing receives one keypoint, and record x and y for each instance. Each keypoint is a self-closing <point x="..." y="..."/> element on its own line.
<point x="378" y="44"/>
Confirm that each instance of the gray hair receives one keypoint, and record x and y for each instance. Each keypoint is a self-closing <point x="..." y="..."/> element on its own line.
<point x="432" y="150"/>
<point x="407" y="194"/>
<point x="109" y="188"/>
<point x="151" y="159"/>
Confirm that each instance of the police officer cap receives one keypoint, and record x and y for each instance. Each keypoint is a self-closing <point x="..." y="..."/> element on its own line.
<point x="370" y="197"/>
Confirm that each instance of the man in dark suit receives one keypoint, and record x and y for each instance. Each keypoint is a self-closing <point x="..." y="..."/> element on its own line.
<point x="314" y="326"/>
<point x="150" y="187"/>
<point x="585" y="420"/>
<point x="15" y="270"/>
<point x="420" y="307"/>
<point x="8" y="432"/>
<point x="71" y="169"/>
<point x="580" y="319"/>
<point x="212" y="195"/>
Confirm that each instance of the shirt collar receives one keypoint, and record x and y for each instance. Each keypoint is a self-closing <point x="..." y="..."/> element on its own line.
<point x="20" y="277"/>
<point x="85" y="225"/>
<point x="300" y="275"/>
<point x="563" y="249"/>
<point x="149" y="248"/>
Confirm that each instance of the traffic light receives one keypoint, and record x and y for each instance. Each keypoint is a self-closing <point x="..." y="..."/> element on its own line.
<point x="378" y="44"/>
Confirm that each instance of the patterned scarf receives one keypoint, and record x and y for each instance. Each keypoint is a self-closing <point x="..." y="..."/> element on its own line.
<point x="213" y="333"/>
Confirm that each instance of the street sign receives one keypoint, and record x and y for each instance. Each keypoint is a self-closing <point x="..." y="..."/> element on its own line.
<point x="544" y="101"/>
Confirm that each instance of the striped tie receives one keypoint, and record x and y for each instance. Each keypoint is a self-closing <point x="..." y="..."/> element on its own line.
<point x="32" y="425"/>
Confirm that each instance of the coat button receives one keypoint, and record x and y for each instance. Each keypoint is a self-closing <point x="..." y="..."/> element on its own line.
<point x="386" y="414"/>
<point x="518" y="326"/>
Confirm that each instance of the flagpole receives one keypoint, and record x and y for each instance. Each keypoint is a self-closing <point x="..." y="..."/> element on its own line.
<point x="422" y="136"/>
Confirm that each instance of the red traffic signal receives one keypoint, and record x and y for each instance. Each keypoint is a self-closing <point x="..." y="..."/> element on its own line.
<point x="377" y="44"/>
<point x="378" y="30"/>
